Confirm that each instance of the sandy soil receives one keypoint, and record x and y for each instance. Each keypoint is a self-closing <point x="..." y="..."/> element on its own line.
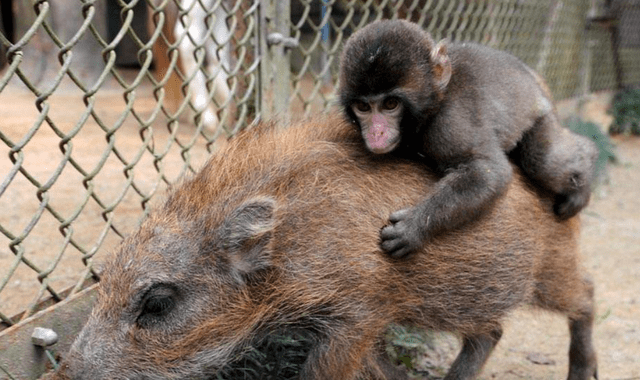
<point x="534" y="346"/>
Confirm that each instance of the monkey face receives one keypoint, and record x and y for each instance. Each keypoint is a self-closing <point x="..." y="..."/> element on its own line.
<point x="393" y="77"/>
<point x="379" y="119"/>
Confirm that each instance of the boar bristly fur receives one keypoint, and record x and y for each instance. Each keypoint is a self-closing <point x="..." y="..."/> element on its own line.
<point x="280" y="230"/>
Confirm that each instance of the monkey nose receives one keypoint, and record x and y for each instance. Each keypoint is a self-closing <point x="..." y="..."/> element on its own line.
<point x="378" y="131"/>
<point x="379" y="139"/>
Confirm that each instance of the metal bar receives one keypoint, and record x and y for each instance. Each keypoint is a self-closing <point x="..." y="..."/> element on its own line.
<point x="267" y="15"/>
<point x="282" y="60"/>
<point x="275" y="41"/>
<point x="21" y="358"/>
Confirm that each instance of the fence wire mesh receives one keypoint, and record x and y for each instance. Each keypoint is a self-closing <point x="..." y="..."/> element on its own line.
<point x="103" y="104"/>
<point x="89" y="140"/>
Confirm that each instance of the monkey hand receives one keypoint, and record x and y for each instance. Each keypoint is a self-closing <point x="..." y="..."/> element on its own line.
<point x="403" y="235"/>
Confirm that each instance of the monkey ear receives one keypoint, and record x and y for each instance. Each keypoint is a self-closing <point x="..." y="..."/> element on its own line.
<point x="441" y="65"/>
<point x="246" y="236"/>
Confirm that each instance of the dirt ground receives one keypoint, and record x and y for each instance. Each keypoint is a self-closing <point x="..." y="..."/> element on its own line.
<point x="534" y="346"/>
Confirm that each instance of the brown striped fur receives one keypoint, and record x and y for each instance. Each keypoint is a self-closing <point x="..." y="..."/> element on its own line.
<point x="280" y="230"/>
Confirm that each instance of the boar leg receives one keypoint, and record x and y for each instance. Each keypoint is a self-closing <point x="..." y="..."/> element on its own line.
<point x="342" y="355"/>
<point x="582" y="355"/>
<point x="388" y="371"/>
<point x="475" y="351"/>
<point x="567" y="290"/>
<point x="379" y="367"/>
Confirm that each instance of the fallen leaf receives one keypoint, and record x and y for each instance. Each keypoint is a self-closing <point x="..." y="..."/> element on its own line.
<point x="538" y="358"/>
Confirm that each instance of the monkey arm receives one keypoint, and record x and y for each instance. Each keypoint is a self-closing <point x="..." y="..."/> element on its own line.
<point x="459" y="197"/>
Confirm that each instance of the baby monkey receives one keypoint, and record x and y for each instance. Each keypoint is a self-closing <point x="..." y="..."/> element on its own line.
<point x="465" y="110"/>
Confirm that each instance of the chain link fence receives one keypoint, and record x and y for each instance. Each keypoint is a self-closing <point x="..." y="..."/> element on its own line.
<point x="105" y="103"/>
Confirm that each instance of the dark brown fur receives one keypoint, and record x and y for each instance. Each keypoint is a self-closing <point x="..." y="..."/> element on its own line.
<point x="466" y="109"/>
<point x="279" y="230"/>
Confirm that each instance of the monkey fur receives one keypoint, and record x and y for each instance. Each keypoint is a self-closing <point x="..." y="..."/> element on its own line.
<point x="465" y="110"/>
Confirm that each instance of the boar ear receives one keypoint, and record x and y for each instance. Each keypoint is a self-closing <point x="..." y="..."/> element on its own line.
<point x="246" y="235"/>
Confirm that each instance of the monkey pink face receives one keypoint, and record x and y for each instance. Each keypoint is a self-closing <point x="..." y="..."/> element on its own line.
<point x="381" y="137"/>
<point x="380" y="124"/>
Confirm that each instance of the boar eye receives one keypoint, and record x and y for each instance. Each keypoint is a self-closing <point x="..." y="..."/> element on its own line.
<point x="157" y="303"/>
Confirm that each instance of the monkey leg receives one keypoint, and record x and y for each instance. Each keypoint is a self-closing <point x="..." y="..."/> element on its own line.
<point x="560" y="161"/>
<point x="475" y="352"/>
<point x="580" y="166"/>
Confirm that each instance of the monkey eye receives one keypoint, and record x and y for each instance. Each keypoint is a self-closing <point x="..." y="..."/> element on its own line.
<point x="390" y="104"/>
<point x="362" y="106"/>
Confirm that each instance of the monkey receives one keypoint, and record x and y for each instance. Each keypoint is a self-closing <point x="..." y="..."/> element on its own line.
<point x="465" y="110"/>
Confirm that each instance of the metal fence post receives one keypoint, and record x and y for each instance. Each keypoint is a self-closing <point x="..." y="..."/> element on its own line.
<point x="275" y="44"/>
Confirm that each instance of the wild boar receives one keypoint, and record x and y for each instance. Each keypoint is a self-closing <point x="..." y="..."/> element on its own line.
<point x="279" y="232"/>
